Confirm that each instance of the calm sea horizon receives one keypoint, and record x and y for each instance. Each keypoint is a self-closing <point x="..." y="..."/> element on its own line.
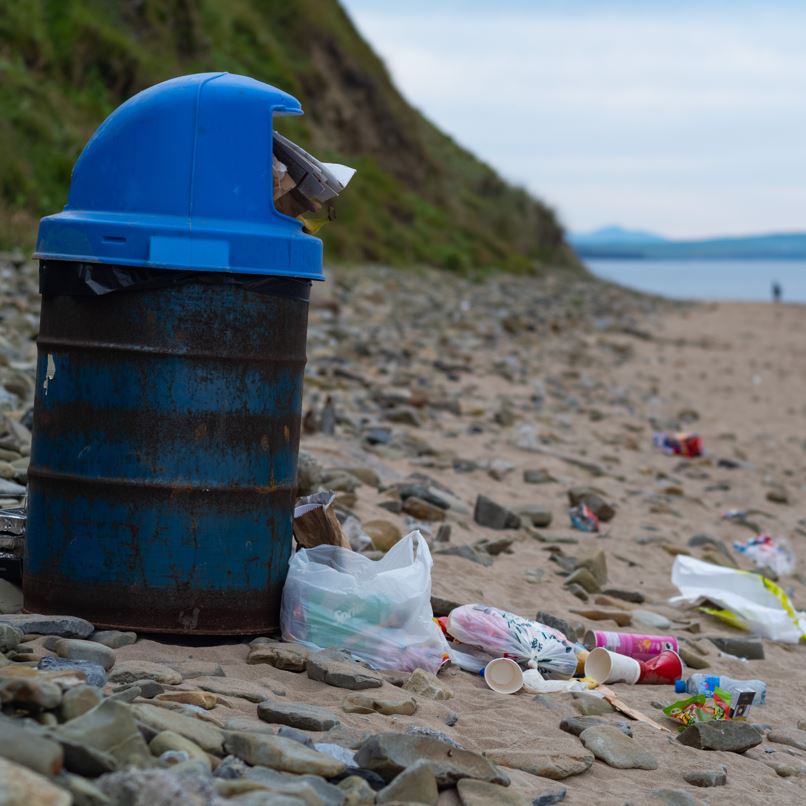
<point x="707" y="279"/>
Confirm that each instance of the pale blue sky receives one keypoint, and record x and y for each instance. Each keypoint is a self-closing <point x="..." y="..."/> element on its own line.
<point x="686" y="118"/>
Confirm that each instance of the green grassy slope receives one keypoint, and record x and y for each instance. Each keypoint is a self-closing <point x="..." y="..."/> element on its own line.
<point x="417" y="197"/>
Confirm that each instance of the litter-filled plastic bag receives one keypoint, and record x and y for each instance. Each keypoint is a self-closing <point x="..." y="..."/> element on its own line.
<point x="507" y="635"/>
<point x="377" y="610"/>
<point x="750" y="601"/>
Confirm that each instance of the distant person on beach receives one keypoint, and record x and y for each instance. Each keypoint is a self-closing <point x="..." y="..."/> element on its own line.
<point x="776" y="291"/>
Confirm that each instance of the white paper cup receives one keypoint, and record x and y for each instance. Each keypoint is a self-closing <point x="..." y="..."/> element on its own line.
<point x="605" y="666"/>
<point x="503" y="676"/>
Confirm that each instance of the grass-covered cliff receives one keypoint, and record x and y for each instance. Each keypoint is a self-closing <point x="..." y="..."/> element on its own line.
<point x="418" y="197"/>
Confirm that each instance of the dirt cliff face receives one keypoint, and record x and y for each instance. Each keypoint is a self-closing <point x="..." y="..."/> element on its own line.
<point x="418" y="196"/>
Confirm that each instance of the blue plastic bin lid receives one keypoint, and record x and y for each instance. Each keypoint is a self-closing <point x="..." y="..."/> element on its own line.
<point x="180" y="177"/>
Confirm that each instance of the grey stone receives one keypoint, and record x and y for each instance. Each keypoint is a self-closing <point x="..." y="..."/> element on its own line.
<point x="148" y="689"/>
<point x="466" y="553"/>
<point x="539" y="517"/>
<point x="288" y="657"/>
<point x="336" y="669"/>
<point x="284" y="755"/>
<point x="29" y="748"/>
<point x="578" y="591"/>
<point x="297" y="715"/>
<point x="673" y="797"/>
<point x="610" y="745"/>
<point x="114" y="639"/>
<point x="424" y="730"/>
<point x="594" y="561"/>
<point x="127" y="694"/>
<point x="389" y="754"/>
<point x="233" y="687"/>
<point x="538" y="476"/>
<point x="692" y="659"/>
<point x="78" y="649"/>
<point x="727" y="735"/>
<point x="416" y="784"/>
<point x="750" y="648"/>
<point x="109" y="728"/>
<point x="84" y="792"/>
<point x="305" y="789"/>
<point x="635" y="597"/>
<point x="584" y="579"/>
<point x="493" y="516"/>
<point x="550" y="797"/>
<point x="168" y="741"/>
<point x="64" y="626"/>
<point x="287" y="732"/>
<point x="30" y="693"/>
<point x="495" y="546"/>
<point x="10" y="637"/>
<point x="191" y="669"/>
<point x="158" y="787"/>
<point x="557" y="623"/>
<point x="368" y="704"/>
<point x="594" y="500"/>
<point x="785" y="766"/>
<point x="427" y="685"/>
<point x="129" y="671"/>
<point x="441" y="606"/>
<point x="204" y="734"/>
<point x="93" y="673"/>
<point x="654" y="621"/>
<point x="309" y="473"/>
<point x="482" y="793"/>
<point x="78" y="700"/>
<point x="560" y="758"/>
<point x="577" y="724"/>
<point x="357" y="792"/>
<point x="590" y="704"/>
<point x="20" y="786"/>
<point x="706" y="777"/>
<point x="789" y="736"/>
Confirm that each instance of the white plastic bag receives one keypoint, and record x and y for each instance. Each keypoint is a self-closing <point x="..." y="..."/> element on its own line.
<point x="377" y="610"/>
<point x="751" y="601"/>
<point x="506" y="635"/>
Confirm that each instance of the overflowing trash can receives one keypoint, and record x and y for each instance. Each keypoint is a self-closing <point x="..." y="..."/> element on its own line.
<point x="170" y="364"/>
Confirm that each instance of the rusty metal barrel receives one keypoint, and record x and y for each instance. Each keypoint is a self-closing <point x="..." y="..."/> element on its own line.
<point x="170" y="364"/>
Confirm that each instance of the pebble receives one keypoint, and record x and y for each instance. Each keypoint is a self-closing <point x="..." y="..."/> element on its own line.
<point x="114" y="639"/>
<point x="389" y="754"/>
<point x="793" y="737"/>
<point x="30" y="693"/>
<point x="129" y="671"/>
<point x="728" y="735"/>
<point x="482" y="793"/>
<point x="591" y="705"/>
<point x="539" y="517"/>
<point x="551" y="796"/>
<point x="383" y="534"/>
<point x="64" y="626"/>
<point x="423" y="510"/>
<point x="281" y="754"/>
<point x="78" y="700"/>
<point x="32" y="750"/>
<point x="93" y="673"/>
<point x="78" y="649"/>
<point x="22" y="787"/>
<point x="357" y="792"/>
<point x="427" y="685"/>
<point x="168" y="741"/>
<point x="556" y="759"/>
<point x="538" y="476"/>
<point x="416" y="784"/>
<point x="673" y="797"/>
<point x="233" y="687"/>
<point x="648" y="618"/>
<point x="750" y="648"/>
<point x="610" y="745"/>
<point x="10" y="637"/>
<point x="621" y="617"/>
<point x="367" y="704"/>
<point x="494" y="516"/>
<point x="706" y="777"/>
<point x="147" y="688"/>
<point x="297" y="715"/>
<point x="691" y="658"/>
<point x="207" y="736"/>
<point x="201" y="699"/>
<point x="467" y="553"/>
<point x="584" y="579"/>
<point x="576" y="724"/>
<point x="595" y="561"/>
<point x="336" y="669"/>
<point x="441" y="606"/>
<point x="191" y="668"/>
<point x="635" y="597"/>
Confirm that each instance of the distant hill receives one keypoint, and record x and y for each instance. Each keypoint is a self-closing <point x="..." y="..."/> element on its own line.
<point x="418" y="197"/>
<point x="614" y="235"/>
<point x="783" y="246"/>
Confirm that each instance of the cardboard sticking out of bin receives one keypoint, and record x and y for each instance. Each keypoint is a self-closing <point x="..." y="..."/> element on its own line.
<point x="303" y="184"/>
<point x="316" y="524"/>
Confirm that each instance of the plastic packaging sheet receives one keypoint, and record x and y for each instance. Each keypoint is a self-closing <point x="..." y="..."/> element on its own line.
<point x="377" y="610"/>
<point x="750" y="601"/>
<point x="504" y="634"/>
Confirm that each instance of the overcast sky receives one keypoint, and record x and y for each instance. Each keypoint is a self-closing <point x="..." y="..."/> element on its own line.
<point x="685" y="118"/>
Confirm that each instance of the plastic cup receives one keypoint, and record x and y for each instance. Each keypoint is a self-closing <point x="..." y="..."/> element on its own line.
<point x="668" y="667"/>
<point x="503" y="676"/>
<point x="605" y="666"/>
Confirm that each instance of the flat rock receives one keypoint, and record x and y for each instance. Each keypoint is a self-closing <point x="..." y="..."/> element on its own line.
<point x="297" y="715"/>
<point x="114" y="639"/>
<point x="610" y="745"/>
<point x="389" y="754"/>
<point x="64" y="626"/>
<point x="201" y="699"/>
<point x="233" y="687"/>
<point x="192" y="668"/>
<point x="128" y="671"/>
<point x="427" y="685"/>
<point x="288" y="657"/>
<point x="94" y="674"/>
<point x="706" y="777"/>
<point x="556" y="759"/>
<point x="30" y="693"/>
<point x="285" y="789"/>
<point x="367" y="704"/>
<point x="634" y="597"/>
<point x="10" y="637"/>
<point x="591" y="705"/>
<point x="539" y="517"/>
<point x="29" y="748"/>
<point x="729" y="735"/>
<point x="785" y="766"/>
<point x="494" y="516"/>
<point x="648" y="618"/>
<point x="148" y="689"/>
<point x="750" y="648"/>
<point x="482" y="793"/>
<point x="284" y="755"/>
<point x="550" y="796"/>
<point x="584" y="579"/>
<point x="441" y="606"/>
<point x="416" y="784"/>
<point x="673" y="797"/>
<point x="556" y="623"/>
<point x="576" y="724"/>
<point x="207" y="736"/>
<point x="336" y="669"/>
<point x="621" y="617"/>
<point x="692" y="659"/>
<point x="20" y="786"/>
<point x="789" y="736"/>
<point x="595" y="561"/>
<point x="78" y="700"/>
<point x="78" y="649"/>
<point x="467" y="553"/>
